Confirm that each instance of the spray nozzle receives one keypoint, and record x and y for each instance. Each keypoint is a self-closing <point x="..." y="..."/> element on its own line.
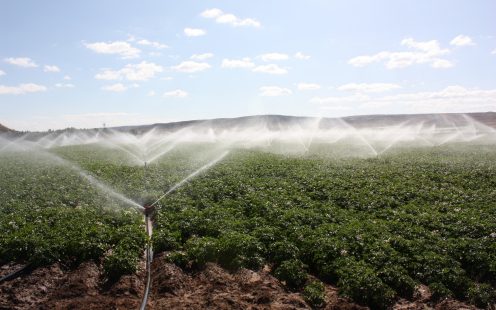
<point x="148" y="209"/>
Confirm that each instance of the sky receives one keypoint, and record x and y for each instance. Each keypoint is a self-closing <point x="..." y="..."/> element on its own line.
<point x="88" y="63"/>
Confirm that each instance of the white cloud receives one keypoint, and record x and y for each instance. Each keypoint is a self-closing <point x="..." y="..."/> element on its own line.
<point x="24" y="62"/>
<point x="108" y="74"/>
<point x="133" y="72"/>
<point x="2" y="73"/>
<point x="64" y="85"/>
<point x="121" y="48"/>
<point x="21" y="89"/>
<point x="449" y="99"/>
<point x="154" y="44"/>
<point x="191" y="66"/>
<point x="151" y="93"/>
<point x="178" y="93"/>
<point x="237" y="63"/>
<point x="274" y="56"/>
<point x="362" y="61"/>
<point x="212" y="13"/>
<point x="428" y="52"/>
<point x="67" y="78"/>
<point x="308" y="86"/>
<point x="274" y="91"/>
<point x="49" y="68"/>
<point x="202" y="56"/>
<point x="431" y="47"/>
<point x="494" y="51"/>
<point x="442" y="64"/>
<point x="300" y="55"/>
<point x="462" y="40"/>
<point x="194" y="32"/>
<point x="270" y="69"/>
<point x="231" y="19"/>
<point x="118" y="87"/>
<point x="368" y="87"/>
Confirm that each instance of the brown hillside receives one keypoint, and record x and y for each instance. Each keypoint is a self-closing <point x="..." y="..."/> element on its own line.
<point x="3" y="128"/>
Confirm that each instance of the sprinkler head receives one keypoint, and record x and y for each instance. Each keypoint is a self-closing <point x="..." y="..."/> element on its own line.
<point x="148" y="210"/>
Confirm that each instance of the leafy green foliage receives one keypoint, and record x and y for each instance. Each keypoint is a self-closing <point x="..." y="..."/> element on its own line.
<point x="482" y="295"/>
<point x="439" y="291"/>
<point x="178" y="258"/>
<point x="292" y="272"/>
<point x="48" y="214"/>
<point x="361" y="282"/>
<point x="202" y="250"/>
<point x="314" y="294"/>
<point x="123" y="260"/>
<point x="236" y="250"/>
<point x="376" y="227"/>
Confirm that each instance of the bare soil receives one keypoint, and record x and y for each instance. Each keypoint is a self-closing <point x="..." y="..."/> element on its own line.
<point x="213" y="287"/>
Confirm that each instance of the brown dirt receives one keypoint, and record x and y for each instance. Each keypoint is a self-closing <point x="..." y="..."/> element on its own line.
<point x="172" y="288"/>
<point x="216" y="288"/>
<point x="54" y="288"/>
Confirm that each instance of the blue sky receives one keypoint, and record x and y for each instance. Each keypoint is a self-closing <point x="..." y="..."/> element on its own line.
<point x="86" y="63"/>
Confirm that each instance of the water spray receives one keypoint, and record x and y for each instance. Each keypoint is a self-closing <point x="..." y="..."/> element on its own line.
<point x="189" y="177"/>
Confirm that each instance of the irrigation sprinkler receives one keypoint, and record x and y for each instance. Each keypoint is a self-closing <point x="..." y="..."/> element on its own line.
<point x="148" y="210"/>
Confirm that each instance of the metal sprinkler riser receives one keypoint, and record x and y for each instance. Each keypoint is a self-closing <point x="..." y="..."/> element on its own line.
<point x="148" y="210"/>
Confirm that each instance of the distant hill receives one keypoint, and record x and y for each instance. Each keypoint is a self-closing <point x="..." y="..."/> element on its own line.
<point x="438" y="119"/>
<point x="3" y="128"/>
<point x="274" y="122"/>
<point x="281" y="122"/>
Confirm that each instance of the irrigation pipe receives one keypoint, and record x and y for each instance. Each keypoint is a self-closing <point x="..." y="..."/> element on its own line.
<point x="149" y="259"/>
<point x="15" y="274"/>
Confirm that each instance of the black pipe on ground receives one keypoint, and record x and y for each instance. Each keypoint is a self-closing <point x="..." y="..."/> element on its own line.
<point x="17" y="273"/>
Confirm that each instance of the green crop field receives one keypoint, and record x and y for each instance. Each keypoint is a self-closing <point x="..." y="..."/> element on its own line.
<point x="374" y="226"/>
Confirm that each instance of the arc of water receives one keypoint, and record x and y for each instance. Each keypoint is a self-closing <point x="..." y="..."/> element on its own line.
<point x="360" y="136"/>
<point x="105" y="188"/>
<point x="13" y="142"/>
<point x="133" y="155"/>
<point x="162" y="153"/>
<point x="192" y="175"/>
<point x="99" y="184"/>
<point x="398" y="137"/>
<point x="313" y="132"/>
